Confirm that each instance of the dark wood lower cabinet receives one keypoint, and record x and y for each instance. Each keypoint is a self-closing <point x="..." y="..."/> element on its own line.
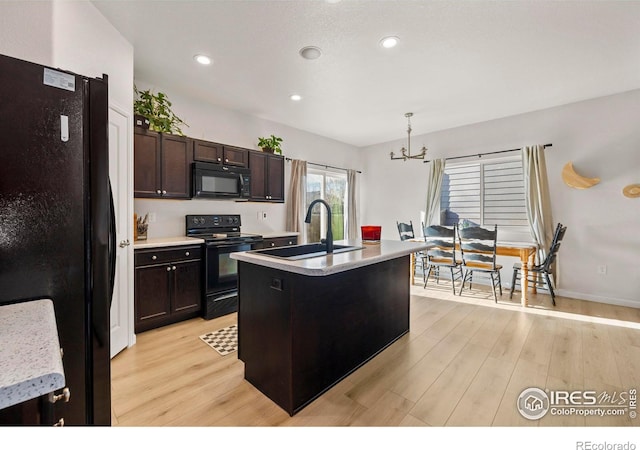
<point x="167" y="286"/>
<point x="300" y="335"/>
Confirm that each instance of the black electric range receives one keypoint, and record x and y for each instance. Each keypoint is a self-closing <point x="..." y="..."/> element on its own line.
<point x="222" y="236"/>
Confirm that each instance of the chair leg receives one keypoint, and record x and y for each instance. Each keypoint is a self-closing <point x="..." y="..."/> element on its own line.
<point x="493" y="287"/>
<point x="553" y="295"/>
<point x="470" y="279"/>
<point x="427" y="276"/>
<point x="500" y="283"/>
<point x="453" y="285"/>
<point x="513" y="282"/>
<point x="464" y="279"/>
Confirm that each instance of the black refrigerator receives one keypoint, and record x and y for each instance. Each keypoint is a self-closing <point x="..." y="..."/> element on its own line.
<point x="57" y="221"/>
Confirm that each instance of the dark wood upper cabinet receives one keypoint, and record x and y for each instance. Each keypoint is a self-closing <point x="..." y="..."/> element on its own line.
<point x="214" y="152"/>
<point x="207" y="151"/>
<point x="267" y="176"/>
<point x="235" y="156"/>
<point x="162" y="165"/>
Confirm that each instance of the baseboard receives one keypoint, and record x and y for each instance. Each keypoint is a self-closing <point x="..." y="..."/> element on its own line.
<point x="597" y="298"/>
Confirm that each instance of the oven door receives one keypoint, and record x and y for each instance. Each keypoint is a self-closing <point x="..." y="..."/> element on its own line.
<point x="221" y="270"/>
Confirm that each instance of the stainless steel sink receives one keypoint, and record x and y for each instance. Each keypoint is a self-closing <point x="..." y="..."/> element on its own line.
<point x="304" y="251"/>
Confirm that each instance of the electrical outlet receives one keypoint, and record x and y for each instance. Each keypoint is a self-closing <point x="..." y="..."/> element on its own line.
<point x="602" y="269"/>
<point x="152" y="217"/>
<point x="264" y="215"/>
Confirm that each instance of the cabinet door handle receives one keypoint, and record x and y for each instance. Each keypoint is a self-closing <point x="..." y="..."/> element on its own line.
<point x="164" y="192"/>
<point x="273" y="244"/>
<point x="186" y="253"/>
<point x="173" y="268"/>
<point x="124" y="243"/>
<point x="66" y="395"/>
<point x="158" y="191"/>
<point x="219" y="159"/>
<point x="154" y="257"/>
<point x="59" y="423"/>
<point x="168" y="269"/>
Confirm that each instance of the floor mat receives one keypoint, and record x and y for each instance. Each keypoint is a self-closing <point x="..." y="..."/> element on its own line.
<point x="224" y="340"/>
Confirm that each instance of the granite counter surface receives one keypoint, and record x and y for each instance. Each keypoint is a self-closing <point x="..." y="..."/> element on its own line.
<point x="30" y="360"/>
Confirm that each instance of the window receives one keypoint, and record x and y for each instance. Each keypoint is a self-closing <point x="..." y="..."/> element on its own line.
<point x="485" y="193"/>
<point x="332" y="188"/>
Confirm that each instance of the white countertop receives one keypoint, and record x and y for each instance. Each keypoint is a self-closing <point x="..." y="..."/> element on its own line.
<point x="30" y="361"/>
<point x="167" y="242"/>
<point x="184" y="240"/>
<point x="337" y="262"/>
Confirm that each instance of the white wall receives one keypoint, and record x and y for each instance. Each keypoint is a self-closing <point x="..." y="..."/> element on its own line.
<point x="85" y="42"/>
<point x="217" y="124"/>
<point x="602" y="138"/>
<point x="72" y="36"/>
<point x="26" y="29"/>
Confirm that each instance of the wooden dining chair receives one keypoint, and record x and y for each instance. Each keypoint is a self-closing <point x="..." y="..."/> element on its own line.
<point x="405" y="230"/>
<point x="478" y="254"/>
<point x="442" y="253"/>
<point x="540" y="274"/>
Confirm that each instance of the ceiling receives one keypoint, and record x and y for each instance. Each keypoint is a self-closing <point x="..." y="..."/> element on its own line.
<point x="457" y="62"/>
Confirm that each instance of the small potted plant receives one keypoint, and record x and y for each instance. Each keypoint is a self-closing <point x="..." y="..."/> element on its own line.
<point x="153" y="111"/>
<point x="270" y="144"/>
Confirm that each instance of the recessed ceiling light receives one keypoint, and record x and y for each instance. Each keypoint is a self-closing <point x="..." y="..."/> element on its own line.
<point x="203" y="59"/>
<point x="295" y="97"/>
<point x="310" y="52"/>
<point x="389" y="41"/>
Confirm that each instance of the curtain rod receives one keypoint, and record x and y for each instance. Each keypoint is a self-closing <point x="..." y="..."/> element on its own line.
<point x="324" y="165"/>
<point x="479" y="155"/>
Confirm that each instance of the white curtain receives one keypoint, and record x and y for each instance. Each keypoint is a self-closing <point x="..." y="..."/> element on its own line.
<point x="434" y="187"/>
<point x="352" y="205"/>
<point x="537" y="198"/>
<point x="296" y="203"/>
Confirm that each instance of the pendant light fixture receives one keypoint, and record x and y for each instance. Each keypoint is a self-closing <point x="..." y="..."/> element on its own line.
<point x="406" y="152"/>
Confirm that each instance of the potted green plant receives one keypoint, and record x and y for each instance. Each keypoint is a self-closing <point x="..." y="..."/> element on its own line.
<point x="156" y="109"/>
<point x="270" y="144"/>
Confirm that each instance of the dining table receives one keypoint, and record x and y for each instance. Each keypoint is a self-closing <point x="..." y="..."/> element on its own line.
<point x="526" y="251"/>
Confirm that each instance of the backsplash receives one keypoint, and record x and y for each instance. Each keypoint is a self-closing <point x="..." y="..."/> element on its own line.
<point x="167" y="217"/>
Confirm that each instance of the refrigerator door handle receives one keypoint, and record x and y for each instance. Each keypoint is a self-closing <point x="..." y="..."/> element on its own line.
<point x="112" y="245"/>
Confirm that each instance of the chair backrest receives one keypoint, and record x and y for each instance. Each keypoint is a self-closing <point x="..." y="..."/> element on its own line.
<point x="554" y="247"/>
<point x="405" y="230"/>
<point x="478" y="246"/>
<point x="443" y="241"/>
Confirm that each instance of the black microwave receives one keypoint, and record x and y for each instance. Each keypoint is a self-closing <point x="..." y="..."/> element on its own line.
<point x="221" y="182"/>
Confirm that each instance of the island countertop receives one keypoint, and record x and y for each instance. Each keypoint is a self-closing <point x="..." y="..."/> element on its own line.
<point x="338" y="262"/>
<point x="30" y="360"/>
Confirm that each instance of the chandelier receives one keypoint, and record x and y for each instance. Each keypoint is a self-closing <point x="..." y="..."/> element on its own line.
<point x="406" y="152"/>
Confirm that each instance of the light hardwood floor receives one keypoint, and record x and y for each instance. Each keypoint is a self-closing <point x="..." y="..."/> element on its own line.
<point x="464" y="363"/>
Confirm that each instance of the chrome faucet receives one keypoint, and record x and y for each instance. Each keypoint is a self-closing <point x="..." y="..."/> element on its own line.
<point x="329" y="239"/>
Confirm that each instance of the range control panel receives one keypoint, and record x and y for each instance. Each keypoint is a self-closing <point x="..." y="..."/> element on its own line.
<point x="198" y="222"/>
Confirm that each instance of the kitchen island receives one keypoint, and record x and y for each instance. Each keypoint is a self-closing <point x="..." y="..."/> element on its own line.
<point x="305" y="324"/>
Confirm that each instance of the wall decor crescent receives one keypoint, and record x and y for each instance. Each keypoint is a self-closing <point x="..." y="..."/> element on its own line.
<point x="631" y="191"/>
<point x="573" y="179"/>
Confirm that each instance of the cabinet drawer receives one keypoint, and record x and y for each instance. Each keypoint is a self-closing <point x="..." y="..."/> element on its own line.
<point x="166" y="254"/>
